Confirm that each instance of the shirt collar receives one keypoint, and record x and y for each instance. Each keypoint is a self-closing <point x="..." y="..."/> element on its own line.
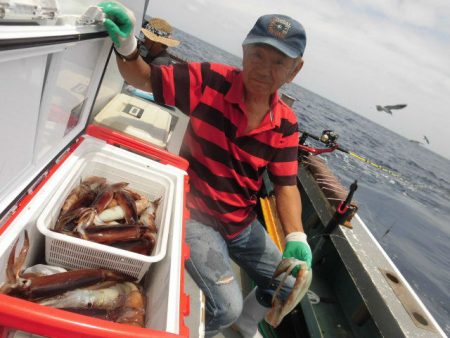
<point x="236" y="95"/>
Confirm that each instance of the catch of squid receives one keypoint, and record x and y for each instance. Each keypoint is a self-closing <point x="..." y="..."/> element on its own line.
<point x="302" y="282"/>
<point x="132" y="312"/>
<point x="123" y="302"/>
<point x="148" y="216"/>
<point x="74" y="218"/>
<point x="141" y="246"/>
<point x="102" y="212"/>
<point x="107" y="298"/>
<point x="120" y="211"/>
<point x="41" y="270"/>
<point x="105" y="196"/>
<point x="85" y="214"/>
<point x="32" y="286"/>
<point x="83" y="194"/>
<point x="107" y="294"/>
<point x="117" y="233"/>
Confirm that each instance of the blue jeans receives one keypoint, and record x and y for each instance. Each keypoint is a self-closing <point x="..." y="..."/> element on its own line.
<point x="210" y="267"/>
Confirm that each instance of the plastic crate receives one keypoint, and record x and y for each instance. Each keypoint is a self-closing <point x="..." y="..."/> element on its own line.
<point x="143" y="176"/>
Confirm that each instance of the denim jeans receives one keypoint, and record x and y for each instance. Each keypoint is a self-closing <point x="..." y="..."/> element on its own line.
<point x="210" y="267"/>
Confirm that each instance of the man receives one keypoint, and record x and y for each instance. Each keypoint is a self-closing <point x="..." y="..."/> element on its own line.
<point x="154" y="39"/>
<point x="238" y="128"/>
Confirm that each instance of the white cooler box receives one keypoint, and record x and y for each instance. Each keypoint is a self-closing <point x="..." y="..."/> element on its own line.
<point x="52" y="78"/>
<point x="161" y="281"/>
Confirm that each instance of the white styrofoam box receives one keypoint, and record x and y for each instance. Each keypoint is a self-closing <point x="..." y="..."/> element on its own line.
<point x="143" y="175"/>
<point x="161" y="285"/>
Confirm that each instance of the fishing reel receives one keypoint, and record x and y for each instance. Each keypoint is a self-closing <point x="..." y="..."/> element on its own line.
<point x="328" y="138"/>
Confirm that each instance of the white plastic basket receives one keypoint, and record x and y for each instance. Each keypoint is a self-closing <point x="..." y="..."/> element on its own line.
<point x="142" y="176"/>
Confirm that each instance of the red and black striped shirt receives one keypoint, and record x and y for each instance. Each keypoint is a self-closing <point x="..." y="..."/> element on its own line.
<point x="225" y="163"/>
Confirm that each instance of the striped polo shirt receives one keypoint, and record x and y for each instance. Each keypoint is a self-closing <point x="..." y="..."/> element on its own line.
<point x="225" y="162"/>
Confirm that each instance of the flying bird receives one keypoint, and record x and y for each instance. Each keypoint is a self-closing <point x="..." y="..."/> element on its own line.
<point x="388" y="109"/>
<point x="426" y="139"/>
<point x="415" y="141"/>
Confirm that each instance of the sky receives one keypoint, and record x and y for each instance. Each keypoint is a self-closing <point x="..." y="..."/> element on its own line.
<point x="359" y="54"/>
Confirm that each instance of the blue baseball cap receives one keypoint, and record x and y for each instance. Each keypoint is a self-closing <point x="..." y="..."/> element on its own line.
<point x="279" y="31"/>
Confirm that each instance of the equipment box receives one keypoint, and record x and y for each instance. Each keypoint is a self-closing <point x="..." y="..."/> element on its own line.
<point x="53" y="80"/>
<point x="139" y="117"/>
<point x="135" y="116"/>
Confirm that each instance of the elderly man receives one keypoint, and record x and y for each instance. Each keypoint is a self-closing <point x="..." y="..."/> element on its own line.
<point x="238" y="128"/>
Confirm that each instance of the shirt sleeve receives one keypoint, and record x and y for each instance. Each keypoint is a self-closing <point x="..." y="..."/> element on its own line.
<point x="283" y="168"/>
<point x="178" y="85"/>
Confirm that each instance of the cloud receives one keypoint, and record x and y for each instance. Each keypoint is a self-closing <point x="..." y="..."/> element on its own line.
<point x="418" y="13"/>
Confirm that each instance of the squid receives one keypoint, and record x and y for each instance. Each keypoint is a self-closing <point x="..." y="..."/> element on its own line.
<point x="281" y="308"/>
<point x="35" y="286"/>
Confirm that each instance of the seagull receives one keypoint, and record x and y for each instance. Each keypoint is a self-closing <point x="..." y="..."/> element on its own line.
<point x="426" y="139"/>
<point x="415" y="141"/>
<point x="387" y="109"/>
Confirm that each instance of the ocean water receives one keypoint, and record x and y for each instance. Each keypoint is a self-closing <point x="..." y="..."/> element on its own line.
<point x="408" y="214"/>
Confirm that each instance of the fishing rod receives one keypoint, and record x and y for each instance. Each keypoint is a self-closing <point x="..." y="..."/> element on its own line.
<point x="329" y="139"/>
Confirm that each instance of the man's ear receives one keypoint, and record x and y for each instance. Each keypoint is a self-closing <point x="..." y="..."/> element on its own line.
<point x="295" y="71"/>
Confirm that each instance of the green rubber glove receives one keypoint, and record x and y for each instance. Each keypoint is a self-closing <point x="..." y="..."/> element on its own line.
<point x="298" y="247"/>
<point x="119" y="23"/>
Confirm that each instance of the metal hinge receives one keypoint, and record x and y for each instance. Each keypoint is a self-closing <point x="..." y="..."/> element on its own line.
<point x="37" y="182"/>
<point x="64" y="153"/>
<point x="7" y="215"/>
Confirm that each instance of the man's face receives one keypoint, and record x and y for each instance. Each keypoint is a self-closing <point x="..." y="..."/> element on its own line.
<point x="265" y="69"/>
<point x="153" y="47"/>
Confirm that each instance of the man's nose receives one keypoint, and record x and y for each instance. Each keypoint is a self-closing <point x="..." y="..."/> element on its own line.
<point x="265" y="64"/>
<point x="264" y="67"/>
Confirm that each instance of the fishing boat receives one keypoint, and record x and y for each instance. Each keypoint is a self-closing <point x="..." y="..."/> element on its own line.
<point x="76" y="103"/>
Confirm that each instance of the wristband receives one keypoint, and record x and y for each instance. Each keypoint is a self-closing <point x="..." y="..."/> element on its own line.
<point x="296" y="236"/>
<point x="132" y="57"/>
